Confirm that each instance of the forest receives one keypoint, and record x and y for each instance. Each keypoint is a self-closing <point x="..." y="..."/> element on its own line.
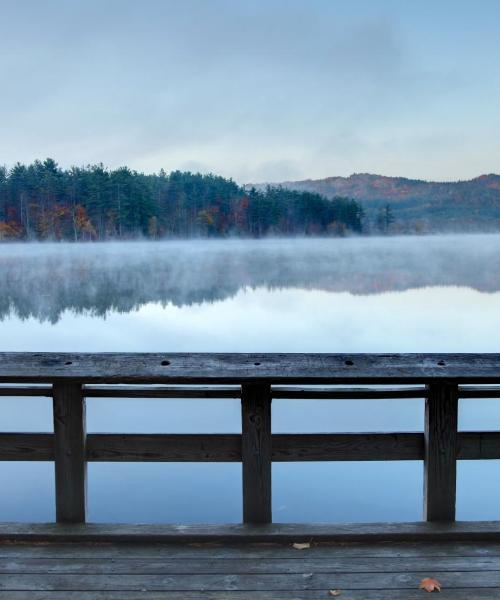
<point x="42" y="201"/>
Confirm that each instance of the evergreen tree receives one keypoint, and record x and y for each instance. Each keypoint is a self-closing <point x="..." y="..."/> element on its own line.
<point x="42" y="201"/>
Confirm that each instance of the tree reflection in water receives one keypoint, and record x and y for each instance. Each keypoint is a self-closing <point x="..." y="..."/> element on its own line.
<point x="44" y="280"/>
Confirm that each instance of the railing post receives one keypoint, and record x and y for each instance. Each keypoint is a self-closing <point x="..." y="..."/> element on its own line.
<point x="70" y="459"/>
<point x="440" y="466"/>
<point x="256" y="452"/>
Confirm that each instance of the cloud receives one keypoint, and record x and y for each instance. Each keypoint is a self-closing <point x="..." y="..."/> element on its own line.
<point x="254" y="90"/>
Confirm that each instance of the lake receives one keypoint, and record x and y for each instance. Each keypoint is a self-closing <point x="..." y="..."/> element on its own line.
<point x="394" y="294"/>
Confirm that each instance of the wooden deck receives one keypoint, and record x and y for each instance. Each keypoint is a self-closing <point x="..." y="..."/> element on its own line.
<point x="72" y="559"/>
<point x="212" y="571"/>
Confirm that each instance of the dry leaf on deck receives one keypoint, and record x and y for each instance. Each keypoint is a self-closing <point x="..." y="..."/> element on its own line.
<point x="334" y="592"/>
<point x="430" y="585"/>
<point x="301" y="546"/>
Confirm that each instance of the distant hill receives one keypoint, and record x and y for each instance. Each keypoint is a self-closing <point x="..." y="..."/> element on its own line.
<point x="416" y="205"/>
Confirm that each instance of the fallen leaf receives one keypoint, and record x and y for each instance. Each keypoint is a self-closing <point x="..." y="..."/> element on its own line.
<point x="334" y="592"/>
<point x="430" y="585"/>
<point x="301" y="546"/>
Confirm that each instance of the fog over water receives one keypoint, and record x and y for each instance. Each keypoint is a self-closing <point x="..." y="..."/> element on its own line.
<point x="119" y="277"/>
<point x="413" y="294"/>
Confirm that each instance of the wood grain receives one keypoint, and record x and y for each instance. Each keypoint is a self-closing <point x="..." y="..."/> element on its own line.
<point x="441" y="445"/>
<point x="347" y="446"/>
<point x="26" y="446"/>
<point x="256" y="451"/>
<point x="248" y="368"/>
<point x="70" y="452"/>
<point x="458" y="531"/>
<point x="150" y="447"/>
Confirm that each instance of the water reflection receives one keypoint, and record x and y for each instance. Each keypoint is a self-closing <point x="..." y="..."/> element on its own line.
<point x="44" y="281"/>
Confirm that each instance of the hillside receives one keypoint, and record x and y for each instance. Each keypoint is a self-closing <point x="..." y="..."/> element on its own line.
<point x="416" y="205"/>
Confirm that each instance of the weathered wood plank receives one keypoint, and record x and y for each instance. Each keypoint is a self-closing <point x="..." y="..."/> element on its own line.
<point x="261" y="582"/>
<point x="162" y="392"/>
<point x="397" y="594"/>
<point x="32" y="390"/>
<point x="227" y="447"/>
<point x="278" y="392"/>
<point x="346" y="393"/>
<point x="70" y="452"/>
<point x="482" y="531"/>
<point x="347" y="446"/>
<point x="478" y="445"/>
<point x="470" y="391"/>
<point x="104" y="447"/>
<point x="211" y="566"/>
<point x="26" y="446"/>
<point x="112" y="447"/>
<point x="256" y="449"/>
<point x="21" y="367"/>
<point x="441" y="443"/>
<point x="246" y="550"/>
<point x="12" y="550"/>
<point x="233" y="577"/>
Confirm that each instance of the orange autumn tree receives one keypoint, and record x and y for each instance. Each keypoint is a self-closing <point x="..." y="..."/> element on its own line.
<point x="9" y="231"/>
<point x="82" y="224"/>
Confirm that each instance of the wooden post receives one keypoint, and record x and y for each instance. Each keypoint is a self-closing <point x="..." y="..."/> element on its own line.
<point x="70" y="459"/>
<point x="441" y="442"/>
<point x="256" y="452"/>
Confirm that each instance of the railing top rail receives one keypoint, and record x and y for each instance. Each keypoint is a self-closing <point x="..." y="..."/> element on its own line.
<point x="215" y="368"/>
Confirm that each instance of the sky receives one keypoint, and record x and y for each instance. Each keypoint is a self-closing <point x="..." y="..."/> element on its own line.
<point x="260" y="90"/>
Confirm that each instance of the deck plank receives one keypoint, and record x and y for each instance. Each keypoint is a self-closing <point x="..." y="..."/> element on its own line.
<point x="246" y="582"/>
<point x="208" y="571"/>
<point x="452" y="594"/>
<point x="272" y="532"/>
<point x="210" y="566"/>
<point x="156" y="551"/>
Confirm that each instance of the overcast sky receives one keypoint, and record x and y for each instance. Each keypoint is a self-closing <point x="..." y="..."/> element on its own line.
<point x="257" y="90"/>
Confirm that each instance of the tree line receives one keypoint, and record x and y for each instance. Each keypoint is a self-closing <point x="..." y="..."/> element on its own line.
<point x="41" y="201"/>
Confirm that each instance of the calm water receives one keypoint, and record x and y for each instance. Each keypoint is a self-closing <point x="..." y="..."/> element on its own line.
<point x="429" y="294"/>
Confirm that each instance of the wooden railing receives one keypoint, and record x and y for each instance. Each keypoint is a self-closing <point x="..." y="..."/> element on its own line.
<point x="255" y="378"/>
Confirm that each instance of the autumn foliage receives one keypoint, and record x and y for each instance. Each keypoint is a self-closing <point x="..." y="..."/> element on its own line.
<point x="41" y="201"/>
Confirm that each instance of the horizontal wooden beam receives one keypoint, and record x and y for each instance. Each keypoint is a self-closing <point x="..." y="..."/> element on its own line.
<point x="347" y="446"/>
<point x="23" y="367"/>
<point x="286" y="447"/>
<point x="26" y="446"/>
<point x="150" y="447"/>
<point x="32" y="390"/>
<point x="478" y="445"/>
<point x="346" y="393"/>
<point x="227" y="447"/>
<point x="278" y="392"/>
<point x="471" y="391"/>
<point x="162" y="392"/>
<point x="283" y="533"/>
